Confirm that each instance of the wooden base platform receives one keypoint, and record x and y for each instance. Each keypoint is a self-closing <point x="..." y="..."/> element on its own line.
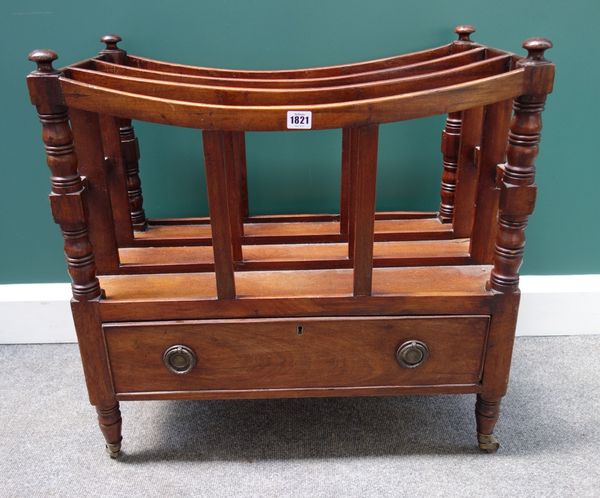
<point x="407" y="291"/>
<point x="447" y="280"/>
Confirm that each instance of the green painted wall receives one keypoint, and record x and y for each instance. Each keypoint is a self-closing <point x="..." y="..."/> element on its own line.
<point x="300" y="171"/>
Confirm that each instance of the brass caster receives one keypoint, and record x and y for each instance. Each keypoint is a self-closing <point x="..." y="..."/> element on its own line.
<point x="113" y="450"/>
<point x="488" y="443"/>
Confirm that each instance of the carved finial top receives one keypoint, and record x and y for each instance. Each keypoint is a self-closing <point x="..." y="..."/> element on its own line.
<point x="536" y="47"/>
<point x="111" y="41"/>
<point x="43" y="58"/>
<point x="464" y="32"/>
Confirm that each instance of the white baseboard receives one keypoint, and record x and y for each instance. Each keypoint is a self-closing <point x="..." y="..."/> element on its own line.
<point x="35" y="313"/>
<point x="550" y="305"/>
<point x="559" y="305"/>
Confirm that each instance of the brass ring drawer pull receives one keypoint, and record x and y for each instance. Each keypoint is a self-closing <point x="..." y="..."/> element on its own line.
<point x="179" y="359"/>
<point x="412" y="354"/>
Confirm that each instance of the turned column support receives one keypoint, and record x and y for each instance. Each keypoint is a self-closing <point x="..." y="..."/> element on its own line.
<point x="516" y="182"/>
<point x="450" y="149"/>
<point x="451" y="138"/>
<point x="131" y="156"/>
<point x="129" y="144"/>
<point x="517" y="176"/>
<point x="66" y="196"/>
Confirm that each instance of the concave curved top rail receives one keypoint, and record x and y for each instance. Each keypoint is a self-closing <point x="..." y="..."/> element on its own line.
<point x="449" y="78"/>
<point x="463" y="43"/>
<point x="414" y="68"/>
<point x="321" y="95"/>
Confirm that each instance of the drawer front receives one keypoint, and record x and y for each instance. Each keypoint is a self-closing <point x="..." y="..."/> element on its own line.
<point x="296" y="353"/>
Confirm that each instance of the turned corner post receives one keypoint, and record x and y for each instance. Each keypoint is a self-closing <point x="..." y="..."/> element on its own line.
<point x="66" y="196"/>
<point x="517" y="176"/>
<point x="129" y="143"/>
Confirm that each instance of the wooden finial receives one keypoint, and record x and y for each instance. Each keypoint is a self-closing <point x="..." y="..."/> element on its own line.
<point x="111" y="42"/>
<point x="464" y="32"/>
<point x="43" y="58"/>
<point x="535" y="48"/>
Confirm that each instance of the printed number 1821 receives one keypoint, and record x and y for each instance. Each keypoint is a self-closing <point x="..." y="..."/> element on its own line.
<point x="299" y="119"/>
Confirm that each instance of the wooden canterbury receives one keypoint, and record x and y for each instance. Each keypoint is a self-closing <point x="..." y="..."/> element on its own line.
<point x="358" y="303"/>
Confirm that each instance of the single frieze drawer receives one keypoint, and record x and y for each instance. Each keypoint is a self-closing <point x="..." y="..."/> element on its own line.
<point x="296" y="353"/>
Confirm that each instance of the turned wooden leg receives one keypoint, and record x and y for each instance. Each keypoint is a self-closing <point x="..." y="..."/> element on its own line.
<point x="109" y="419"/>
<point x="486" y="412"/>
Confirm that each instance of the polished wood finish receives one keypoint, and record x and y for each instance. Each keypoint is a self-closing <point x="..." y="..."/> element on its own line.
<point x="297" y="353"/>
<point x="355" y="303"/>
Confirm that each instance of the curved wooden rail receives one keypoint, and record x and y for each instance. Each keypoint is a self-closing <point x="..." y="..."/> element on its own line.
<point x="253" y="96"/>
<point x="386" y="109"/>
<point x="412" y="69"/>
<point x="311" y="72"/>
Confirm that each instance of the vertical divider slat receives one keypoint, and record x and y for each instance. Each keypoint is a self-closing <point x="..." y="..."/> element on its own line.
<point x="234" y="194"/>
<point x="218" y="205"/>
<point x="91" y="164"/>
<point x="494" y="138"/>
<point x="351" y="204"/>
<point x="466" y="176"/>
<point x="239" y="154"/>
<point x="345" y="181"/>
<point x="365" y="155"/>
<point x="116" y="178"/>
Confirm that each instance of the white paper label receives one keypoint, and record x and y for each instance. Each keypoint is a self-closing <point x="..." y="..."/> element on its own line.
<point x="299" y="120"/>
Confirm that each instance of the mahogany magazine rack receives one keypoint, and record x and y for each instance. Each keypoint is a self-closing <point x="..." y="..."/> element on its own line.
<point x="360" y="303"/>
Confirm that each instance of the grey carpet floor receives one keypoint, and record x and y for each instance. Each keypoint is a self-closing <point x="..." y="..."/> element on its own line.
<point x="402" y="446"/>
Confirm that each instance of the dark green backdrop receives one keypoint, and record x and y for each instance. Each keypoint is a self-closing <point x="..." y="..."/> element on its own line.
<point x="300" y="171"/>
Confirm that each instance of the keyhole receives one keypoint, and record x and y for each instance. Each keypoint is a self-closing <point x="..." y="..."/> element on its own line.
<point x="299" y="330"/>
